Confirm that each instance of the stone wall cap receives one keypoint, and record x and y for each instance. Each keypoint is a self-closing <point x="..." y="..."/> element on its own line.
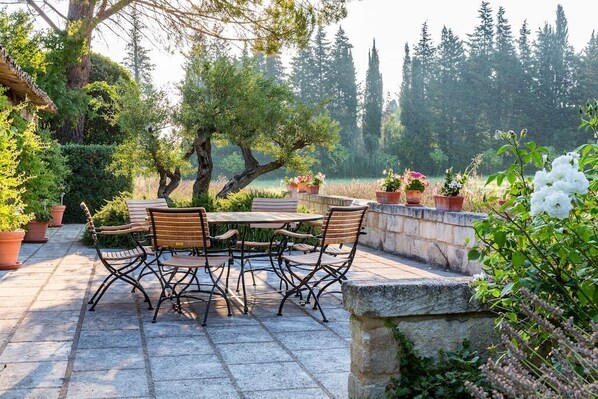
<point x="410" y="297"/>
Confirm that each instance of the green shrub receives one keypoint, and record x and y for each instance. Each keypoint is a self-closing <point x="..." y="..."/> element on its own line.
<point x="113" y="213"/>
<point x="91" y="182"/>
<point x="423" y="378"/>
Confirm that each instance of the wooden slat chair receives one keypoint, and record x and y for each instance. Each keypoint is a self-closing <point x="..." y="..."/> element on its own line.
<point x="138" y="214"/>
<point x="187" y="229"/>
<point x="253" y="246"/>
<point x="317" y="270"/>
<point x="121" y="265"/>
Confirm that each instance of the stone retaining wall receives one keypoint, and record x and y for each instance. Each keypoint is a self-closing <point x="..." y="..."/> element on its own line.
<point x="433" y="313"/>
<point x="426" y="234"/>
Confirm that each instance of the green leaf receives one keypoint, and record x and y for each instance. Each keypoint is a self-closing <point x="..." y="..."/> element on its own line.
<point x="473" y="254"/>
<point x="518" y="258"/>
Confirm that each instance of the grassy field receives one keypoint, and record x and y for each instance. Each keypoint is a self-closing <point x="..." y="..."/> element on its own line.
<point x="365" y="188"/>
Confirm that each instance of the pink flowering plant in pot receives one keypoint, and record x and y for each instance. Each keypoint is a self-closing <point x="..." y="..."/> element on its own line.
<point x="415" y="183"/>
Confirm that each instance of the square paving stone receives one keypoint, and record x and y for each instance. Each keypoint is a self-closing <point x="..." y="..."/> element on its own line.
<point x="229" y="335"/>
<point x="290" y="324"/>
<point x="31" y="393"/>
<point x="32" y="375"/>
<point x="109" y="358"/>
<point x="311" y="340"/>
<point x="12" y="312"/>
<point x="186" y="367"/>
<point x="302" y="393"/>
<point x="51" y="317"/>
<point x="262" y="352"/>
<point x="102" y="321"/>
<point x="6" y="326"/>
<point x="19" y="352"/>
<point x="16" y="293"/>
<point x="115" y="383"/>
<point x="211" y="388"/>
<point x="270" y="376"/>
<point x="49" y="332"/>
<point x="341" y="328"/>
<point x="110" y="339"/>
<point x="53" y="295"/>
<point x="63" y="304"/>
<point x="183" y="328"/>
<point x="336" y="383"/>
<point x="325" y="361"/>
<point x="173" y="346"/>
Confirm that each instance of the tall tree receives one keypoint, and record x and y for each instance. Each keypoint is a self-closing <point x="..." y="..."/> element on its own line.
<point x="270" y="66"/>
<point x="507" y="76"/>
<point x="269" y="24"/>
<point x="137" y="59"/>
<point x="588" y="70"/>
<point x="301" y="78"/>
<point x="373" y="102"/>
<point x="343" y="89"/>
<point x="321" y="65"/>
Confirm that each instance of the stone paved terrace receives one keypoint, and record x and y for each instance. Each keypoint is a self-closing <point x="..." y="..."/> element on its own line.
<point x="52" y="347"/>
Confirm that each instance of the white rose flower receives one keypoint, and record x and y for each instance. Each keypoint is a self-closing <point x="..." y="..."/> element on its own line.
<point x="558" y="204"/>
<point x="537" y="200"/>
<point x="541" y="179"/>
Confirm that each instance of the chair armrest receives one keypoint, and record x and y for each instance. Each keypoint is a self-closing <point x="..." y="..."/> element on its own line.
<point x="122" y="230"/>
<point x="145" y="226"/>
<point x="226" y="236"/>
<point x="293" y="235"/>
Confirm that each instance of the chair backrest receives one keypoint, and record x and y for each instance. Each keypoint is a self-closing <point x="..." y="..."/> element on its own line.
<point x="273" y="205"/>
<point x="90" y="226"/>
<point x="138" y="208"/>
<point x="179" y="228"/>
<point x="342" y="225"/>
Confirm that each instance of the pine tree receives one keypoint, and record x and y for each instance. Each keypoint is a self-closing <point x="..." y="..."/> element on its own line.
<point x="479" y="70"/>
<point x="373" y="102"/>
<point x="343" y="88"/>
<point x="507" y="76"/>
<point x="588" y="70"/>
<point x="138" y="59"/>
<point x="270" y="66"/>
<point x="321" y="65"/>
<point x="302" y="79"/>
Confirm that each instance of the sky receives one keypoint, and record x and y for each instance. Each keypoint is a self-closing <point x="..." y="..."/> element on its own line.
<point x="392" y="23"/>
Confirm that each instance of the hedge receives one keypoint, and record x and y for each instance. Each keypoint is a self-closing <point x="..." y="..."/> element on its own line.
<point x="91" y="181"/>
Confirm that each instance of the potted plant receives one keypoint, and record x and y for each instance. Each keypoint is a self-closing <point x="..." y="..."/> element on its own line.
<point x="415" y="183"/>
<point x="11" y="203"/>
<point x="450" y="200"/>
<point x="313" y="186"/>
<point x="302" y="183"/>
<point x="37" y="227"/>
<point x="57" y="212"/>
<point x="389" y="188"/>
<point x="291" y="183"/>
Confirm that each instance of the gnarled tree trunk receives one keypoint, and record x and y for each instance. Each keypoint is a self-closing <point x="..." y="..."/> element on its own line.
<point x="203" y="150"/>
<point x="252" y="171"/>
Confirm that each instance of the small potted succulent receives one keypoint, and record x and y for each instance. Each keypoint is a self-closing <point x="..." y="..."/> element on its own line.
<point x="291" y="183"/>
<point x="302" y="183"/>
<point x="415" y="184"/>
<point x="313" y="186"/>
<point x="389" y="188"/>
<point x="450" y="200"/>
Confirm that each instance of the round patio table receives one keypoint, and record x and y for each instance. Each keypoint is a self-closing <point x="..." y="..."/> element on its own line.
<point x="277" y="219"/>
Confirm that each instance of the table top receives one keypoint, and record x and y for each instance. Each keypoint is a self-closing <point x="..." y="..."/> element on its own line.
<point x="260" y="217"/>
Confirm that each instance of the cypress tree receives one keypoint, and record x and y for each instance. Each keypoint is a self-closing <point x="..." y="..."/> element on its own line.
<point x="343" y="88"/>
<point x="588" y="70"/>
<point x="302" y="79"/>
<point x="137" y="59"/>
<point x="507" y="76"/>
<point x="321" y="65"/>
<point x="373" y="102"/>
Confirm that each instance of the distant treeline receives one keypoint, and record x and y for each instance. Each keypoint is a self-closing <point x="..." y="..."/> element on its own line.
<point x="455" y="94"/>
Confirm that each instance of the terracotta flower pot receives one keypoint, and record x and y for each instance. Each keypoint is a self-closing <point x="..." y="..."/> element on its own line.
<point x="302" y="187"/>
<point x="452" y="203"/>
<point x="388" y="197"/>
<point x="292" y="188"/>
<point x="36" y="232"/>
<point x="10" y="245"/>
<point x="313" y="189"/>
<point x="57" y="212"/>
<point x="414" y="197"/>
